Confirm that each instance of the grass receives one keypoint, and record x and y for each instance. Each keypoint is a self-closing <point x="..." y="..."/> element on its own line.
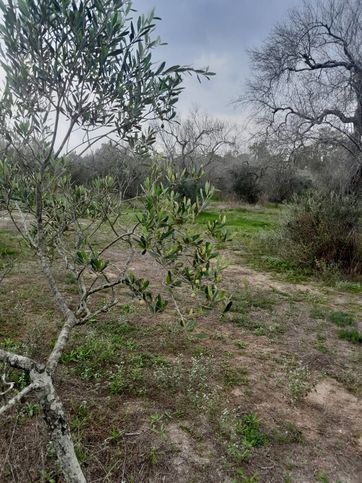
<point x="351" y="335"/>
<point x="348" y="286"/>
<point x="10" y="249"/>
<point x="243" y="220"/>
<point x="248" y="225"/>
<point x="342" y="319"/>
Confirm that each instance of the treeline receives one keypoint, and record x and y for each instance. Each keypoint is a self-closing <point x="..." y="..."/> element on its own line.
<point x="322" y="227"/>
<point x="260" y="173"/>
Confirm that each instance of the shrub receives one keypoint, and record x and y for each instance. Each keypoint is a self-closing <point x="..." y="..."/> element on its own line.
<point x="246" y="184"/>
<point x="322" y="231"/>
<point x="189" y="187"/>
<point x="282" y="185"/>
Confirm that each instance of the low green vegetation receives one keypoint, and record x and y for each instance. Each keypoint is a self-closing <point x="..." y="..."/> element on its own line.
<point x="9" y="248"/>
<point x="342" y="319"/>
<point x="352" y="335"/>
<point x="247" y="220"/>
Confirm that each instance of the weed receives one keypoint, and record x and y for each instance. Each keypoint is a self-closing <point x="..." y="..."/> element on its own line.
<point x="70" y="278"/>
<point x="240" y="344"/>
<point x="285" y="268"/>
<point x="90" y="359"/>
<point x="248" y="427"/>
<point x="287" y="433"/>
<point x="234" y="376"/>
<point x="299" y="381"/>
<point x="81" y="417"/>
<point x="270" y="330"/>
<point x="320" y="344"/>
<point x="31" y="409"/>
<point x="247" y="299"/>
<point x="318" y="313"/>
<point x="341" y="319"/>
<point x="157" y="425"/>
<point x="128" y="378"/>
<point x="9" y="248"/>
<point x="81" y="454"/>
<point x="351" y="380"/>
<point x="348" y="286"/>
<point x="352" y="335"/>
<point x="153" y="456"/>
<point x="94" y="349"/>
<point x="115" y="436"/>
<point x="192" y="380"/>
<point x="322" y="478"/>
<point x="321" y="232"/>
<point x="241" y="434"/>
<point x="241" y="219"/>
<point x="47" y="477"/>
<point x="242" y="477"/>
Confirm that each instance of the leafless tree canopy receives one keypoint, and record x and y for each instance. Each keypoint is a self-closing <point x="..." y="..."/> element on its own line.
<point x="197" y="140"/>
<point x="308" y="76"/>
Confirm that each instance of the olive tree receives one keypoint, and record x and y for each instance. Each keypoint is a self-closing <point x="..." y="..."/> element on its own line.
<point x="86" y="67"/>
<point x="307" y="79"/>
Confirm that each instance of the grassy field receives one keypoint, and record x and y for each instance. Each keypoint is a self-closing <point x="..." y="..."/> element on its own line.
<point x="271" y="392"/>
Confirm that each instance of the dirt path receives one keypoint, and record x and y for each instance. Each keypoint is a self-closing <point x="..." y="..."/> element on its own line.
<point x="266" y="281"/>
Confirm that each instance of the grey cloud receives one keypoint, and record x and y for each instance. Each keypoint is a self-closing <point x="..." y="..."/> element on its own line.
<point x="215" y="33"/>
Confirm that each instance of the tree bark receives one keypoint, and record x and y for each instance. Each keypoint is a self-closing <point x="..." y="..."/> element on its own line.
<point x="58" y="428"/>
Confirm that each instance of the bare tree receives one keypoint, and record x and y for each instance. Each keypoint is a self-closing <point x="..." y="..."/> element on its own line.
<point x="197" y="140"/>
<point x="308" y="76"/>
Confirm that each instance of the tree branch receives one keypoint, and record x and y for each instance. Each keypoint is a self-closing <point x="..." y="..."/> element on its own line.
<point x="18" y="397"/>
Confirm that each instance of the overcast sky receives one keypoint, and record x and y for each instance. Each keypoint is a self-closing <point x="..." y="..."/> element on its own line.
<point x="214" y="33"/>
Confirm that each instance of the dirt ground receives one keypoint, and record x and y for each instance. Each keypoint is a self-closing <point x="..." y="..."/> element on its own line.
<point x="175" y="413"/>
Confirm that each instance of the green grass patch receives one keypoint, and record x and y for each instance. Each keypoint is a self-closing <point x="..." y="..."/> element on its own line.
<point x="351" y="335"/>
<point x="247" y="219"/>
<point x="9" y="248"/>
<point x="342" y="319"/>
<point x="242" y="434"/>
<point x="348" y="286"/>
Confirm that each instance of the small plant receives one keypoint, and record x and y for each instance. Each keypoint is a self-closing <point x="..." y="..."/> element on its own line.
<point x="348" y="286"/>
<point x="234" y="376"/>
<point x="154" y="456"/>
<point x="242" y="477"/>
<point x="241" y="433"/>
<point x="250" y="429"/>
<point x="128" y="377"/>
<point x="352" y="335"/>
<point x="287" y="433"/>
<point x="31" y="409"/>
<point x="240" y="344"/>
<point x="322" y="478"/>
<point x="115" y="437"/>
<point x="157" y="425"/>
<point x="342" y="319"/>
<point x="299" y="381"/>
<point x="250" y="299"/>
<point x="81" y="416"/>
<point x="318" y="313"/>
<point x="190" y="379"/>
